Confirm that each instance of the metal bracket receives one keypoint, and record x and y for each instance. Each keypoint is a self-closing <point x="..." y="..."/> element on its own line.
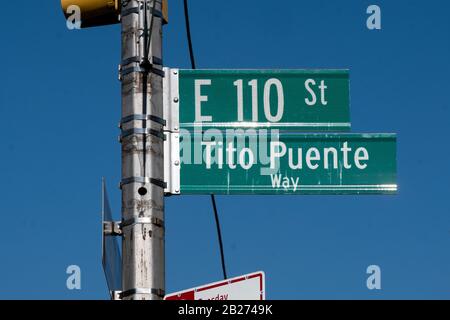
<point x="172" y="163"/>
<point x="171" y="102"/>
<point x="156" y="13"/>
<point x="143" y="180"/>
<point x="112" y="228"/>
<point x="127" y="12"/>
<point x="136" y="10"/>
<point x="115" y="295"/>
<point x="142" y="117"/>
<point x="155" y="61"/>
<point x="157" y="292"/>
<point x="171" y="98"/>
<point x="147" y="220"/>
<point x="153" y="132"/>
<point x="127" y="71"/>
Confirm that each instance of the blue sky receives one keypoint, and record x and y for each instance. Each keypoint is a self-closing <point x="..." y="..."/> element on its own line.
<point x="60" y="105"/>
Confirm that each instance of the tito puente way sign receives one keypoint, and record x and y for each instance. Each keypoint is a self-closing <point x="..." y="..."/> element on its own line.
<point x="288" y="163"/>
<point x="224" y="139"/>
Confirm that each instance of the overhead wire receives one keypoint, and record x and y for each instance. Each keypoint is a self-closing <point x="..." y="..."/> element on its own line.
<point x="213" y="198"/>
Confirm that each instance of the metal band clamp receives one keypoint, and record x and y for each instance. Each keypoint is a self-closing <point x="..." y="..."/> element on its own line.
<point x="147" y="220"/>
<point x="153" y="132"/>
<point x="142" y="117"/>
<point x="129" y="70"/>
<point x="157" y="292"/>
<point x="112" y="228"/>
<point x="143" y="180"/>
<point x="126" y="12"/>
<point x="155" y="60"/>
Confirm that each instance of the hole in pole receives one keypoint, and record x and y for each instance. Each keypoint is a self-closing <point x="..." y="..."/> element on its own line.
<point x="142" y="191"/>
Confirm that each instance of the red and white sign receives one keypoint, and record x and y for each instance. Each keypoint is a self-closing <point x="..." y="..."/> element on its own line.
<point x="247" y="287"/>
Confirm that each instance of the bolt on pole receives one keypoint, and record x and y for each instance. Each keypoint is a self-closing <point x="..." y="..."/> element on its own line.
<point x="143" y="245"/>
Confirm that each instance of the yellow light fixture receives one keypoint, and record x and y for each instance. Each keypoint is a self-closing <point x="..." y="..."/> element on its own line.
<point x="96" y="13"/>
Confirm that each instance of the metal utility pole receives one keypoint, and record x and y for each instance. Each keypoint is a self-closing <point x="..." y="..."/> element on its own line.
<point x="143" y="252"/>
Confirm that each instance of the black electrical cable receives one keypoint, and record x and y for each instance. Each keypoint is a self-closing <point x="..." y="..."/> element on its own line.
<point x="188" y="31"/>
<point x="151" y="28"/>
<point x="213" y="198"/>
<point x="219" y="234"/>
<point x="146" y="31"/>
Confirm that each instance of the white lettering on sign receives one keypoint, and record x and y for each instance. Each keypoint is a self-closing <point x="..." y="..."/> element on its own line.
<point x="267" y="106"/>
<point x="245" y="157"/>
<point x="287" y="183"/>
<point x="208" y="152"/>
<point x="313" y="158"/>
<point x="230" y="155"/>
<point x="267" y="100"/>
<point x="312" y="155"/>
<point x="359" y="158"/>
<point x="312" y="101"/>
<point x="299" y="164"/>
<point x="277" y="150"/>
<point x="254" y="85"/>
<point x="345" y="150"/>
<point x="199" y="98"/>
<point x="242" y="156"/>
<point x="316" y="92"/>
<point x="240" y="100"/>
<point x="326" y="154"/>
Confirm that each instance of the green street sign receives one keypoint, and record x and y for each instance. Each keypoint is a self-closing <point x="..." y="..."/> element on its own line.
<point x="294" y="100"/>
<point x="235" y="162"/>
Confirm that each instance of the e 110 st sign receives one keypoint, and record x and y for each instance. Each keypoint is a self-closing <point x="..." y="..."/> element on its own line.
<point x="269" y="162"/>
<point x="297" y="100"/>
